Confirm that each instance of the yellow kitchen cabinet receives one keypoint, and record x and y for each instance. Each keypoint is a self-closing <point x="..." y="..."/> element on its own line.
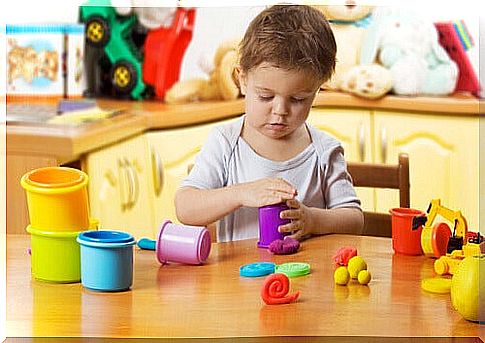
<point x="353" y="129"/>
<point x="119" y="187"/>
<point x="171" y="151"/>
<point x="443" y="157"/>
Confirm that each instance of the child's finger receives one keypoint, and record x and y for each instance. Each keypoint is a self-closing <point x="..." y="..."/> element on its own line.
<point x="293" y="203"/>
<point x="279" y="196"/>
<point x="290" y="214"/>
<point x="295" y="235"/>
<point x="284" y="186"/>
<point x="286" y="228"/>
<point x="299" y="235"/>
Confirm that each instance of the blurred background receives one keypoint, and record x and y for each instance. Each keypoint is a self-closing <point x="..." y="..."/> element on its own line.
<point x="220" y="20"/>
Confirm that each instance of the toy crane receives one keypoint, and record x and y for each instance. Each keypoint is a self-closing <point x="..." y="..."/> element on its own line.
<point x="432" y="233"/>
<point x="450" y="248"/>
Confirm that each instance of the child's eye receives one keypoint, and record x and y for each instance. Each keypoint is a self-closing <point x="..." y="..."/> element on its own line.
<point x="265" y="97"/>
<point x="297" y="100"/>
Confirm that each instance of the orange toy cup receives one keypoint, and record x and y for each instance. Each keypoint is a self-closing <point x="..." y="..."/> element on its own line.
<point x="405" y="240"/>
<point x="57" y="199"/>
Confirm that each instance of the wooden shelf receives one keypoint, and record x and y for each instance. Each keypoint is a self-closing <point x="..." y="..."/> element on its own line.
<point x="459" y="104"/>
<point x="68" y="142"/>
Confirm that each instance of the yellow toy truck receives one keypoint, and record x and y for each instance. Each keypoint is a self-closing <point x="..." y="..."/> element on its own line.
<point x="448" y="264"/>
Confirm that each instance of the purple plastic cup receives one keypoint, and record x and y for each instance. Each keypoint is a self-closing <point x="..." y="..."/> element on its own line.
<point x="269" y="220"/>
<point x="182" y="244"/>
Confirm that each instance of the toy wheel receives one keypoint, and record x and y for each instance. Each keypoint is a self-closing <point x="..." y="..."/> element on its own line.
<point x="123" y="77"/>
<point x="97" y="32"/>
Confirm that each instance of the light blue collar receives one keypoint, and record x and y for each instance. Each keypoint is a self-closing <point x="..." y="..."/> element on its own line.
<point x="364" y="22"/>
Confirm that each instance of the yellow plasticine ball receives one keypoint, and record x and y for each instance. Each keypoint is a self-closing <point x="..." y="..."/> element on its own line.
<point x="355" y="265"/>
<point x="364" y="277"/>
<point x="341" y="276"/>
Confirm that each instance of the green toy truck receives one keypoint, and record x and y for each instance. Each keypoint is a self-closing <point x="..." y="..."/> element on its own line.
<point x="107" y="31"/>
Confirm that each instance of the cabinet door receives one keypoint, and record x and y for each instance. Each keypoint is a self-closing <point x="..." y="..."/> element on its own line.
<point x="352" y="129"/>
<point x="171" y="152"/>
<point x="443" y="159"/>
<point x="118" y="187"/>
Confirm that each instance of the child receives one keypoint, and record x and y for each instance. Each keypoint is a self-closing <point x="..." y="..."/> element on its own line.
<point x="271" y="155"/>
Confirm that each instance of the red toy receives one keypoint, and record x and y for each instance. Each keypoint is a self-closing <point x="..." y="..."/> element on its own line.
<point x="343" y="255"/>
<point x="454" y="38"/>
<point x="164" y="50"/>
<point x="275" y="290"/>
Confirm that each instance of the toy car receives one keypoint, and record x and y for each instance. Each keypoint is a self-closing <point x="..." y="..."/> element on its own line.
<point x="110" y="32"/>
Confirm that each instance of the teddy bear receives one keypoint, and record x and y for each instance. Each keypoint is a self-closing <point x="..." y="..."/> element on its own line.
<point x="221" y="84"/>
<point x="348" y="21"/>
<point x="408" y="46"/>
<point x="27" y="63"/>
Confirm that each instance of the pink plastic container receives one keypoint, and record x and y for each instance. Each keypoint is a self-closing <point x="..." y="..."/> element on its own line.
<point x="182" y="244"/>
<point x="405" y="240"/>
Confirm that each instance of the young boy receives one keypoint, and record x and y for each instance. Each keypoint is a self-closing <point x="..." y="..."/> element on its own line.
<point x="271" y="155"/>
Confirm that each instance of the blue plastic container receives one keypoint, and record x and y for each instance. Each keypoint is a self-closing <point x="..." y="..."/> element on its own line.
<point x="106" y="260"/>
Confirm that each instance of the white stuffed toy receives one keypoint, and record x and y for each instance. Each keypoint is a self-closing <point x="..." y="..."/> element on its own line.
<point x="348" y="22"/>
<point x="149" y="13"/>
<point x="408" y="46"/>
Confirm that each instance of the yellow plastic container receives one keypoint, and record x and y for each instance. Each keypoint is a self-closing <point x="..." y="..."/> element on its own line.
<point x="57" y="199"/>
<point x="55" y="256"/>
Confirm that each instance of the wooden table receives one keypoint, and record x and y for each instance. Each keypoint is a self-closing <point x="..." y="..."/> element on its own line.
<point x="212" y="300"/>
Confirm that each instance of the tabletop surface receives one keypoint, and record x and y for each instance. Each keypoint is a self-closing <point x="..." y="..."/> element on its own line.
<point x="212" y="300"/>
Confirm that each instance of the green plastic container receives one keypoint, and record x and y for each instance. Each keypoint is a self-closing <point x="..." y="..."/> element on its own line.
<point x="55" y="256"/>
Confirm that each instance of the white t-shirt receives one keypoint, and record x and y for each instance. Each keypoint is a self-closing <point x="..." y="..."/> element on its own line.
<point x="319" y="173"/>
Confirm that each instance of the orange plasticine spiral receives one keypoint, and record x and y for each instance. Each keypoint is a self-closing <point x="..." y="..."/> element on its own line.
<point x="275" y="290"/>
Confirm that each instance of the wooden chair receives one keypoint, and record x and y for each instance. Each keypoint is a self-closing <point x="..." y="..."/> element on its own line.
<point x="395" y="176"/>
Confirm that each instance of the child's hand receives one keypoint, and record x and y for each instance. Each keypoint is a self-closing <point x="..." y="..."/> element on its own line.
<point x="300" y="226"/>
<point x="265" y="192"/>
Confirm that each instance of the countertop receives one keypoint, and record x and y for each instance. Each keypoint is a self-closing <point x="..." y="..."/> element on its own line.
<point x="70" y="142"/>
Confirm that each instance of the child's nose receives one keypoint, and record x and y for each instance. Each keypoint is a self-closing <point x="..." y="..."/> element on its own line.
<point x="280" y="107"/>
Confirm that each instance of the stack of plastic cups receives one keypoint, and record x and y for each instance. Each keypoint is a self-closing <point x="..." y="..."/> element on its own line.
<point x="58" y="206"/>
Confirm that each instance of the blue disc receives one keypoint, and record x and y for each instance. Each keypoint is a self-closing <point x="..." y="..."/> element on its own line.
<point x="257" y="269"/>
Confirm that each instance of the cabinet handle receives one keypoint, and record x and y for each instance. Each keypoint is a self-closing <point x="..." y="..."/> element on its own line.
<point x="124" y="180"/>
<point x="133" y="184"/>
<point x="136" y="183"/>
<point x="383" y="145"/>
<point x="362" y="142"/>
<point x="157" y="169"/>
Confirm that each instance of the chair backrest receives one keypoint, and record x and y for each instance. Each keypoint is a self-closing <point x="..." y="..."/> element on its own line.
<point x="393" y="176"/>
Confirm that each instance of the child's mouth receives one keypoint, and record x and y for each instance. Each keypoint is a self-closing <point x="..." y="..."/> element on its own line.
<point x="277" y="126"/>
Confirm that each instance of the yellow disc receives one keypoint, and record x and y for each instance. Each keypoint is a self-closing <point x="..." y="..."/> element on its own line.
<point x="122" y="76"/>
<point x="95" y="31"/>
<point x="426" y="235"/>
<point x="440" y="266"/>
<point x="436" y="285"/>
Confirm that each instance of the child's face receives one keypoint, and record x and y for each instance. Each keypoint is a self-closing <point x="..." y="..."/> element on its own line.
<point x="277" y="100"/>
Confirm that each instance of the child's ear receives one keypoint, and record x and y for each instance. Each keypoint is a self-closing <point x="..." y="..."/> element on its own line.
<point x="242" y="79"/>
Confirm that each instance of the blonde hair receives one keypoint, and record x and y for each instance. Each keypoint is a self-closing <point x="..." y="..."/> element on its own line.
<point x="292" y="37"/>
